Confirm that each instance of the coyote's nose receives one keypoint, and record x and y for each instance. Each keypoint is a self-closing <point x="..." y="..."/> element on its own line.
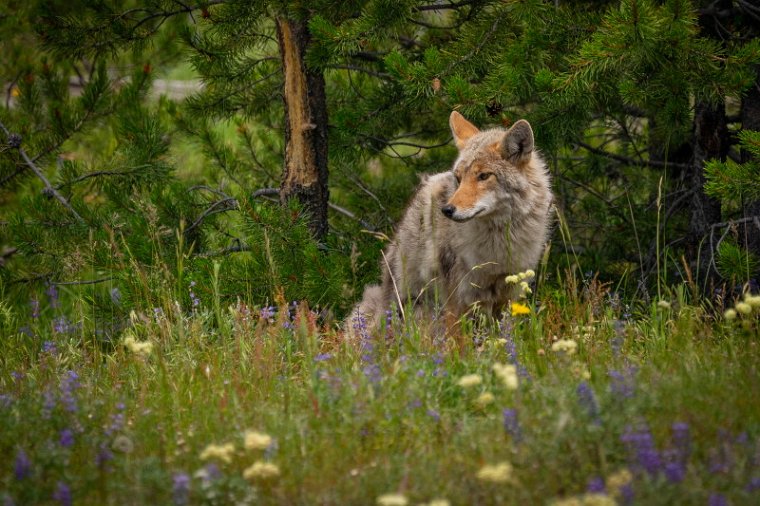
<point x="448" y="210"/>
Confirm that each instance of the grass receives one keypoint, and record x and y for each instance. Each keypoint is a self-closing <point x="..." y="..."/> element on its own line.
<point x="655" y="407"/>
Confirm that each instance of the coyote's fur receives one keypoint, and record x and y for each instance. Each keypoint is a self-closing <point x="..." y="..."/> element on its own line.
<point x="465" y="230"/>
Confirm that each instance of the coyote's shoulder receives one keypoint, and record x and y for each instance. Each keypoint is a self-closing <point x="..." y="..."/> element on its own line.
<point x="465" y="230"/>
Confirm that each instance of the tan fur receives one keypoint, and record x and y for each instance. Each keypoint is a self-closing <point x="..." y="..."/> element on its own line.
<point x="498" y="226"/>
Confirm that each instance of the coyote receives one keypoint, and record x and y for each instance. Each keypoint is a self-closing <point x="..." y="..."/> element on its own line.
<point x="467" y="229"/>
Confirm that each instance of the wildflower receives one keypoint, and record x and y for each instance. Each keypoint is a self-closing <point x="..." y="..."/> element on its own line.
<point x="261" y="470"/>
<point x="622" y="386"/>
<point x="52" y="293"/>
<point x="525" y="288"/>
<point x="115" y="296"/>
<point x="256" y="440"/>
<point x="69" y="385"/>
<point x="512" y="280"/>
<point x="23" y="466"/>
<point x="743" y="308"/>
<point x="567" y="346"/>
<point x="498" y="473"/>
<point x="618" y="480"/>
<point x="138" y="347"/>
<point x="673" y="468"/>
<point x="529" y="274"/>
<point x="322" y="357"/>
<point x="392" y="500"/>
<point x="681" y="440"/>
<point x="507" y="373"/>
<point x="752" y="300"/>
<point x="518" y="309"/>
<point x="663" y="304"/>
<point x="587" y="400"/>
<point x="484" y="399"/>
<point x="62" y="494"/>
<point x="35" y="304"/>
<point x="222" y="452"/>
<point x="730" y="314"/>
<point x="66" y="438"/>
<point x="123" y="444"/>
<point x="181" y="488"/>
<point x="595" y="485"/>
<point x="512" y="424"/>
<point x="641" y="446"/>
<point x="470" y="380"/>
<point x="438" y="502"/>
<point x="717" y="500"/>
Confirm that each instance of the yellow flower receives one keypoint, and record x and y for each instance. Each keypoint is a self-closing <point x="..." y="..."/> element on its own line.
<point x="484" y="399"/>
<point x="222" y="452"/>
<point x="470" y="380"/>
<point x="392" y="500"/>
<point x="730" y="314"/>
<point x="567" y="346"/>
<point x="743" y="308"/>
<point x="256" y="440"/>
<point x="261" y="470"/>
<point x="518" y="309"/>
<point x="498" y="473"/>
<point x="507" y="373"/>
<point x="439" y="502"/>
<point x="512" y="280"/>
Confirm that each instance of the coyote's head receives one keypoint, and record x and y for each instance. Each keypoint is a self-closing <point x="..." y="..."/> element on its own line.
<point x="491" y="169"/>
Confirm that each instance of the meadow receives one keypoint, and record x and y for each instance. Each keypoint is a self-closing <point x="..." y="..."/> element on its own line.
<point x="574" y="398"/>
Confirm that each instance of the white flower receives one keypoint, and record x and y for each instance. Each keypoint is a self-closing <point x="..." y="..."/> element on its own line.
<point x="138" y="347"/>
<point x="663" y="304"/>
<point x="743" y="308"/>
<point x="730" y="314"/>
<point x="498" y="473"/>
<point x="567" y="346"/>
<point x="484" y="399"/>
<point x="261" y="470"/>
<point x="512" y="279"/>
<point x="256" y="440"/>
<point x="470" y="380"/>
<point x="507" y="373"/>
<point x="752" y="300"/>
<point x="392" y="500"/>
<point x="222" y="452"/>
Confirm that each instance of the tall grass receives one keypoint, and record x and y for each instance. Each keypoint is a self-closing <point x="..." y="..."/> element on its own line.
<point x="614" y="403"/>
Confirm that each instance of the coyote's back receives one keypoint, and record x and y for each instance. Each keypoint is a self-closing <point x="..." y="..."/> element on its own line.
<point x="465" y="230"/>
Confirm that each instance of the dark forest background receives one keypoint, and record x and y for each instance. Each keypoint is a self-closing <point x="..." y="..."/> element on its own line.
<point x="264" y="150"/>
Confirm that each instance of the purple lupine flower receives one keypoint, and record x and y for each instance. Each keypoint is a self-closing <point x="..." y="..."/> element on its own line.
<point x="117" y="421"/>
<point x="115" y="296"/>
<point x="267" y="313"/>
<point x="595" y="485"/>
<point x="371" y="369"/>
<point x="721" y="457"/>
<point x="23" y="466"/>
<point x="512" y="424"/>
<point x="181" y="488"/>
<point x="673" y="467"/>
<point x="716" y="499"/>
<point x="66" y="438"/>
<point x="35" y="305"/>
<point x="193" y="298"/>
<point x="434" y="415"/>
<point x="104" y="456"/>
<point x="587" y="401"/>
<point x="753" y="485"/>
<point x="642" y="450"/>
<point x="627" y="494"/>
<point x="69" y="385"/>
<point x="622" y="385"/>
<point x="62" y="494"/>
<point x="48" y="403"/>
<point x="52" y="293"/>
<point x="158" y="313"/>
<point x="49" y="347"/>
<point x="322" y="357"/>
<point x="61" y="325"/>
<point x="5" y="401"/>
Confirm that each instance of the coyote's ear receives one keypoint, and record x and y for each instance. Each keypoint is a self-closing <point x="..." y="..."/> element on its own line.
<point x="461" y="128"/>
<point x="518" y="143"/>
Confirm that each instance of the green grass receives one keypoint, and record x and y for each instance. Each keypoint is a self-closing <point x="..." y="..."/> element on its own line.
<point x="353" y="421"/>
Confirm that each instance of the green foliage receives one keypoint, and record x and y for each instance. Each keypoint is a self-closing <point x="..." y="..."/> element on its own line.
<point x="736" y="263"/>
<point x="733" y="182"/>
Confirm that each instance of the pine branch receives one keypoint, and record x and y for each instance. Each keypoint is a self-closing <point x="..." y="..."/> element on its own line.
<point x="630" y="161"/>
<point x="14" y="141"/>
<point x="449" y="6"/>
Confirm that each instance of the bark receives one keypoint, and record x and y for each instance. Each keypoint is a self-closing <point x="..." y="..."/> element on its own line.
<point x="750" y="118"/>
<point x="305" y="171"/>
<point x="711" y="140"/>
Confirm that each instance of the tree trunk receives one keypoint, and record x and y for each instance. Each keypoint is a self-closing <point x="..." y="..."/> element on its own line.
<point x="750" y="117"/>
<point x="305" y="171"/>
<point x="710" y="141"/>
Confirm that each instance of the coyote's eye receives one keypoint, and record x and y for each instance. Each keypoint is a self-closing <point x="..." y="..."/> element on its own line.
<point x="484" y="175"/>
